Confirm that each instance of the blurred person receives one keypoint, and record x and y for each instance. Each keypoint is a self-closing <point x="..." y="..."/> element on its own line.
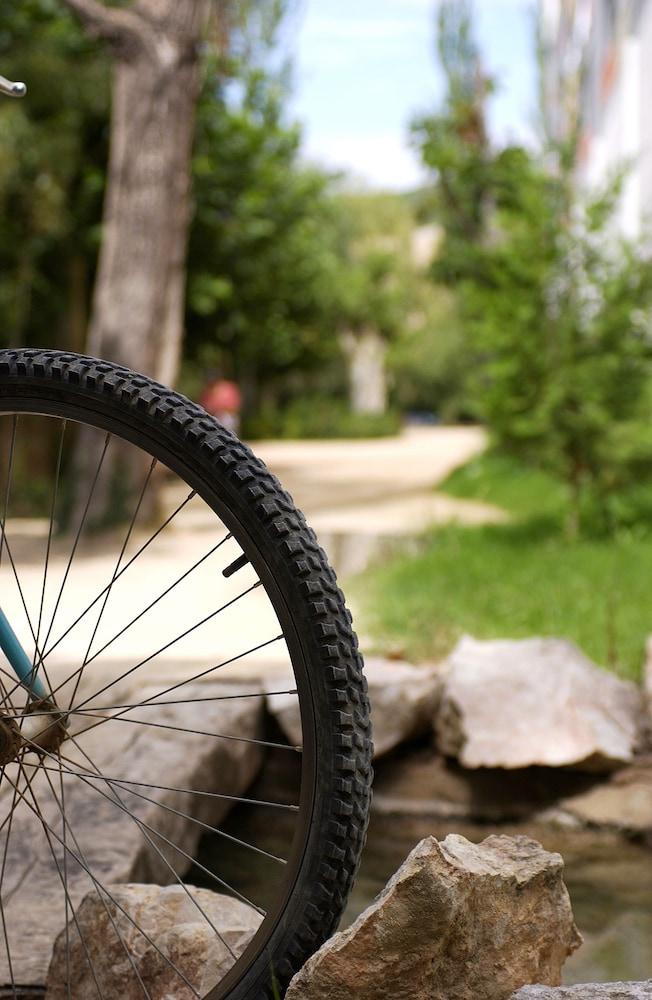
<point x="222" y="398"/>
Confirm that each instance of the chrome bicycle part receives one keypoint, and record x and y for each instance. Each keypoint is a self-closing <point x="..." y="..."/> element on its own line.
<point x="10" y="89"/>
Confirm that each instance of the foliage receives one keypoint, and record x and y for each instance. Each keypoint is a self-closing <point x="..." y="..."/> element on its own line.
<point x="496" y="478"/>
<point x="427" y="361"/>
<point x="261" y="262"/>
<point x="375" y="277"/>
<point x="53" y="148"/>
<point x="554" y="306"/>
<point x="320" y="417"/>
<point x="454" y="142"/>
<point x="562" y="316"/>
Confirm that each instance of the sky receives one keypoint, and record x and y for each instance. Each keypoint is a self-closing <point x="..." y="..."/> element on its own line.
<point x="364" y="68"/>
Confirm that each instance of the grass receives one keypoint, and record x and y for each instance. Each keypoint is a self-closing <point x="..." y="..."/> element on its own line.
<point x="514" y="580"/>
<point x="501" y="480"/>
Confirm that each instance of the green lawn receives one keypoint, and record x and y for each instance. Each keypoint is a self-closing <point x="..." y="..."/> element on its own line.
<point x="514" y="580"/>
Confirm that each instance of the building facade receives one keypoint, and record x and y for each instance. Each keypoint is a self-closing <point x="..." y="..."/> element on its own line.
<point x="597" y="70"/>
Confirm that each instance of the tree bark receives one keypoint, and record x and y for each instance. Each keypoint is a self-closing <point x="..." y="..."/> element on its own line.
<point x="138" y="299"/>
<point x="137" y="314"/>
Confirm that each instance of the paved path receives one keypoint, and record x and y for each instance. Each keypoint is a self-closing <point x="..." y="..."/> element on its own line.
<point x="354" y="493"/>
<point x="363" y="497"/>
<point x="379" y="486"/>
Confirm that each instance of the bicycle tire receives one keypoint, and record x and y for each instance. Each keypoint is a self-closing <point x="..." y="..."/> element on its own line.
<point x="304" y="591"/>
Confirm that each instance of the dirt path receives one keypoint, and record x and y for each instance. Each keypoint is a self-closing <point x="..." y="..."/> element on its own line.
<point x="360" y="496"/>
<point x="377" y="487"/>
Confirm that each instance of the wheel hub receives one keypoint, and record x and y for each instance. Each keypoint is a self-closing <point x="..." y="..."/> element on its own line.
<point x="43" y="727"/>
<point x="10" y="741"/>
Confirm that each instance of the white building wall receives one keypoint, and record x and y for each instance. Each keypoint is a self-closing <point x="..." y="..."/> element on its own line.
<point x="645" y="115"/>
<point x="613" y="43"/>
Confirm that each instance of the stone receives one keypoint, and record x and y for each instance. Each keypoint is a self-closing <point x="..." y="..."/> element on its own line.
<point x="115" y="847"/>
<point x="420" y="782"/>
<point x="458" y="921"/>
<point x="514" y="704"/>
<point x="647" y="671"/>
<point x="624" y="802"/>
<point x="403" y="698"/>
<point x="192" y="939"/>
<point x="647" y="690"/>
<point x="589" y="991"/>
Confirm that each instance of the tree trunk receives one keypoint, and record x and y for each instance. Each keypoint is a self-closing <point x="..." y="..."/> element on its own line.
<point x="76" y="320"/>
<point x="137" y="316"/>
<point x="138" y="300"/>
<point x="366" y="352"/>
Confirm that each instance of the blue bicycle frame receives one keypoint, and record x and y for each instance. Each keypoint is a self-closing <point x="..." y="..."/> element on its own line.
<point x="25" y="670"/>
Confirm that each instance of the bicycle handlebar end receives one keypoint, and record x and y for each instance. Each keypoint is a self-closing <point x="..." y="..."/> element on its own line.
<point x="12" y="89"/>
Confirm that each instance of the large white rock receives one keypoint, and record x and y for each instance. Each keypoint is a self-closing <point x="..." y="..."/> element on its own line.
<point x="115" y="847"/>
<point x="458" y="921"/>
<point x="536" y="701"/>
<point x="588" y="991"/>
<point x="179" y="939"/>
<point x="403" y="700"/>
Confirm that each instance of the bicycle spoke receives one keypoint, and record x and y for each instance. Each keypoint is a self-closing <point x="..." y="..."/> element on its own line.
<point x="115" y="902"/>
<point x="78" y="535"/>
<point x="10" y="471"/>
<point x="115" y="572"/>
<point x="175" y="847"/>
<point x="9" y="822"/>
<point x="201" y="674"/>
<point x="172" y="642"/>
<point x="124" y="569"/>
<point x="191" y="732"/>
<point x="171" y="788"/>
<point x="66" y="823"/>
<point x="159" y="598"/>
<point x="46" y="831"/>
<point x="53" y="505"/>
<point x="142" y="827"/>
<point x="65" y="872"/>
<point x="151" y="704"/>
<point x="3" y="532"/>
<point x="87" y="659"/>
<point x="5" y="932"/>
<point x="199" y="822"/>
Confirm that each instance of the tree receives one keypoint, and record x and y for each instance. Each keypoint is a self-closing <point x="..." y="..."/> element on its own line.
<point x="52" y="159"/>
<point x="562" y="320"/>
<point x="556" y="308"/>
<point x="139" y="295"/>
<point x="454" y="142"/>
<point x="262" y="257"/>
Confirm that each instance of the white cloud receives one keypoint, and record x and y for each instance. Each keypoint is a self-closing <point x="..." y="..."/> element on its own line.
<point x="358" y="29"/>
<point x="379" y="159"/>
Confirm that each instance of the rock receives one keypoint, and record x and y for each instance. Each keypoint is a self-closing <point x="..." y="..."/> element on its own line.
<point x="115" y="847"/>
<point x="589" y="991"/>
<point x="176" y="928"/>
<point x="419" y="782"/>
<point x="403" y="699"/>
<point x="624" y="802"/>
<point x="515" y="704"/>
<point x="647" y="689"/>
<point x="458" y="921"/>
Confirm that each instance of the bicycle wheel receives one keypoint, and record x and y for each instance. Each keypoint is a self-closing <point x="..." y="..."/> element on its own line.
<point x="156" y="641"/>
